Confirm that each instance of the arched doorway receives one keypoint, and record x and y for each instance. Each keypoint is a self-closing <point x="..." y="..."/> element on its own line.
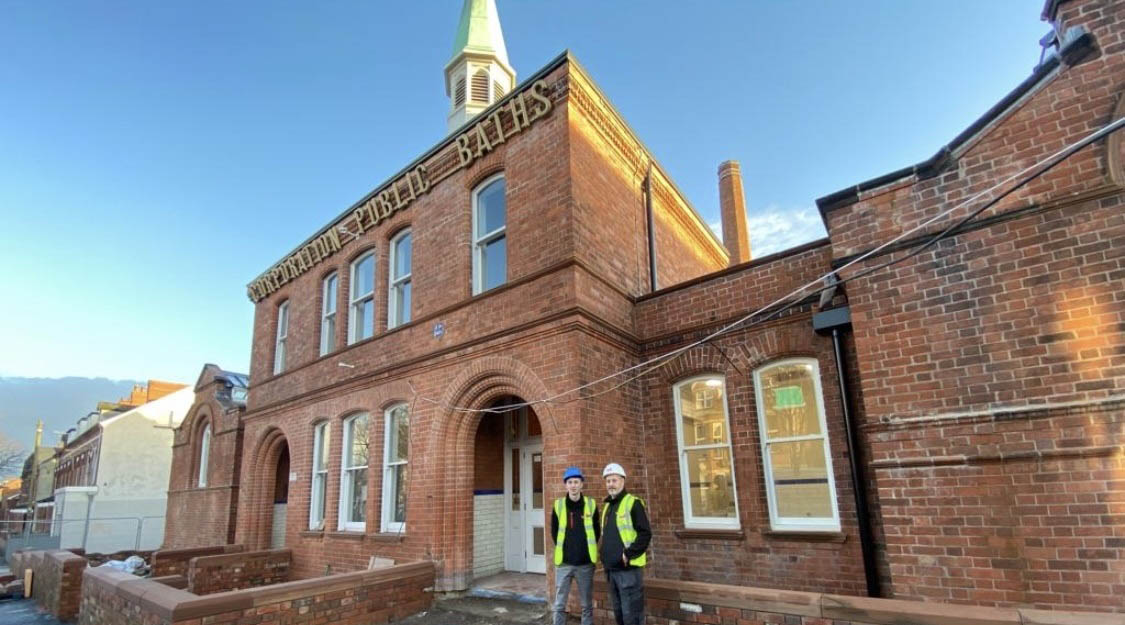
<point x="280" y="500"/>
<point x="268" y="503"/>
<point x="508" y="513"/>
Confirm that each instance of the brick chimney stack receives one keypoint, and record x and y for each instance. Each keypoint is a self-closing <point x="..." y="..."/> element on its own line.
<point x="732" y="205"/>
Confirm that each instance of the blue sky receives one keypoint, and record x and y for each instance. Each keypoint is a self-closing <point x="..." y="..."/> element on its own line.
<point x="155" y="157"/>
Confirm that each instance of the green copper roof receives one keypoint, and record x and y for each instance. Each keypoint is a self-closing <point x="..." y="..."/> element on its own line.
<point x="479" y="30"/>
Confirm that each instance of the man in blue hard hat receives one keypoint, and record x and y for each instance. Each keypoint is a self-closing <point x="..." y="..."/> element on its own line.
<point x="576" y="528"/>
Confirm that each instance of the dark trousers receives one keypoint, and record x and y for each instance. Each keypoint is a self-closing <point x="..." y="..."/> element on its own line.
<point x="627" y="593"/>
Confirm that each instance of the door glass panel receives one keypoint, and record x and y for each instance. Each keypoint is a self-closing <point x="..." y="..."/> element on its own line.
<point x="533" y="428"/>
<point x="537" y="481"/>
<point x="537" y="540"/>
<point x="515" y="480"/>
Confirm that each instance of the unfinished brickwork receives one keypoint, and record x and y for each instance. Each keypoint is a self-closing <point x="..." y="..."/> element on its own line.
<point x="114" y="598"/>
<point x="56" y="580"/>
<point x="234" y="571"/>
<point x="175" y="561"/>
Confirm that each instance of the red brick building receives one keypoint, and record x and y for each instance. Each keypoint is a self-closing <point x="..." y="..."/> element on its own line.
<point x="958" y="437"/>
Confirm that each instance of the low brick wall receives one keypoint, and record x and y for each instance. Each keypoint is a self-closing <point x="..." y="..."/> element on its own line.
<point x="368" y="597"/>
<point x="234" y="571"/>
<point x="670" y="602"/>
<point x="56" y="582"/>
<point x="175" y="561"/>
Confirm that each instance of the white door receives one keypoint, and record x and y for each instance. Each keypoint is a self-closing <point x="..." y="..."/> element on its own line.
<point x="533" y="501"/>
<point x="514" y="558"/>
<point x="523" y="504"/>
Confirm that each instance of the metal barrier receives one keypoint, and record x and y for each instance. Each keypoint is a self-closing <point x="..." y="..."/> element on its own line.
<point x="50" y="534"/>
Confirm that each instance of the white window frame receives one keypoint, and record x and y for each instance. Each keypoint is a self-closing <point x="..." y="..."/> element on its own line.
<point x="395" y="288"/>
<point x="480" y="243"/>
<point x="346" y="484"/>
<point x="328" y="313"/>
<point x="795" y="524"/>
<point x="282" y="337"/>
<point x="690" y="519"/>
<point x="318" y="489"/>
<point x="356" y="300"/>
<point x="204" y="455"/>
<point x="388" y="480"/>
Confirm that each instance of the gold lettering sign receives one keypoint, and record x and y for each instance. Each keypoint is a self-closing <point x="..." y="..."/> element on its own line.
<point x="523" y="108"/>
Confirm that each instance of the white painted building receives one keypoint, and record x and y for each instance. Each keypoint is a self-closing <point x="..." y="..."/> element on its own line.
<point x="119" y="498"/>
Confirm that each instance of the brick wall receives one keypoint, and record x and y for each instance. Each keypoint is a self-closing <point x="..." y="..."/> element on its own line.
<point x="56" y="580"/>
<point x="114" y="598"/>
<point x="235" y="571"/>
<point x="991" y="365"/>
<point x="691" y="603"/>
<point x="175" y="561"/>
<point x="488" y="534"/>
<point x="202" y="516"/>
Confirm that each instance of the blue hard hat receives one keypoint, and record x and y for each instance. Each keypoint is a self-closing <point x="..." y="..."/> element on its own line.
<point x="573" y="472"/>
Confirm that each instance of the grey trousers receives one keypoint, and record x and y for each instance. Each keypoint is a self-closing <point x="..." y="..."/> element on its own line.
<point x="627" y="593"/>
<point x="584" y="575"/>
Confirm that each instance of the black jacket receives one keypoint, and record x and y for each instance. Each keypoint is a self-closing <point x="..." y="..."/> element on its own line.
<point x="575" y="551"/>
<point x="612" y="547"/>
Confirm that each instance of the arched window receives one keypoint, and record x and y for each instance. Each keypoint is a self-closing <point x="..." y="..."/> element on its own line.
<point x="328" y="313"/>
<point x="800" y="487"/>
<point x="396" y="455"/>
<point x="490" y="247"/>
<point x="398" y="306"/>
<point x="204" y="454"/>
<point x="480" y="86"/>
<point x="353" y="474"/>
<point x="282" y="337"/>
<point x="319" y="476"/>
<point x="706" y="464"/>
<point x="361" y="320"/>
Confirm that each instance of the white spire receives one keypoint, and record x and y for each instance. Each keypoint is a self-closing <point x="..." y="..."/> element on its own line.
<point x="479" y="73"/>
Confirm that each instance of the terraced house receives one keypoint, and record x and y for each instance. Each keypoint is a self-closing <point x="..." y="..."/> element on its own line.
<point x="948" y="427"/>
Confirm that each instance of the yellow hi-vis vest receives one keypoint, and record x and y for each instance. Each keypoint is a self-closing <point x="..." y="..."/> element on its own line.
<point x="625" y="524"/>
<point x="588" y="510"/>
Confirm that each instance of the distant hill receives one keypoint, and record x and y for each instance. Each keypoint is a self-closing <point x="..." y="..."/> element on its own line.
<point x="60" y="402"/>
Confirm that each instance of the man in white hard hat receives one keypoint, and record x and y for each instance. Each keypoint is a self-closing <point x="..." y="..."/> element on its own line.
<point x="625" y="538"/>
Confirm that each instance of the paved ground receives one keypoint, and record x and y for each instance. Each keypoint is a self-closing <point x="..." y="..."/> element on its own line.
<point x="478" y="611"/>
<point x="466" y="611"/>
<point x="24" y="612"/>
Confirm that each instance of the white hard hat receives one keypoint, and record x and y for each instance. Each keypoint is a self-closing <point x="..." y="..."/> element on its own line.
<point x="613" y="469"/>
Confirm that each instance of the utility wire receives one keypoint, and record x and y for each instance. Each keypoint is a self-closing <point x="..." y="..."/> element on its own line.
<point x="798" y="295"/>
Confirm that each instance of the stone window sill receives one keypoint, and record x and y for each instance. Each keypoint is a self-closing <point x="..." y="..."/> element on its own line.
<point x="345" y="534"/>
<point x="709" y="534"/>
<point x="312" y="533"/>
<point x="386" y="537"/>
<point x="806" y="535"/>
